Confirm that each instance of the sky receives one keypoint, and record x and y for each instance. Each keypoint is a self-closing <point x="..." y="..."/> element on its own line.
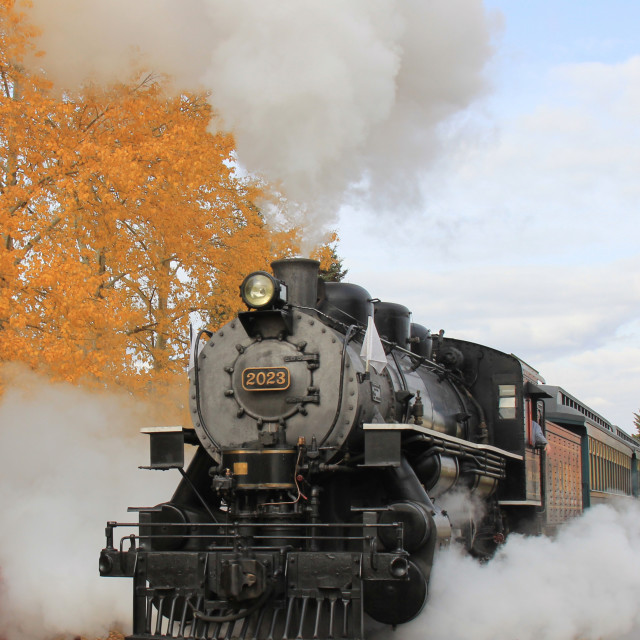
<point x="478" y="159"/>
<point x="527" y="239"/>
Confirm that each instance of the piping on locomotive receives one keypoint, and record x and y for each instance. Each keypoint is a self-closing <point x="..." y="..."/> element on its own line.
<point x="318" y="487"/>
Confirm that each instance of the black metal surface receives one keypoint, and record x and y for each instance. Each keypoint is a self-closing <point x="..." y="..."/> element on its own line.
<point x="382" y="448"/>
<point x="303" y="617"/>
<point x="166" y="447"/>
<point x="399" y="601"/>
<point x="301" y="278"/>
<point x="417" y="525"/>
<point x="392" y="322"/>
<point x="272" y="468"/>
<point x="346" y="303"/>
<point x="293" y="518"/>
<point x="209" y="594"/>
<point x="270" y="323"/>
<point x="421" y="341"/>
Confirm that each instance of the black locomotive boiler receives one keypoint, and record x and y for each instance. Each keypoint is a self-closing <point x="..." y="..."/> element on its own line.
<point x="320" y="484"/>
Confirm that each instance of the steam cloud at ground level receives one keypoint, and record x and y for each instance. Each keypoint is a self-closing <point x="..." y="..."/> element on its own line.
<point x="582" y="585"/>
<point x="68" y="463"/>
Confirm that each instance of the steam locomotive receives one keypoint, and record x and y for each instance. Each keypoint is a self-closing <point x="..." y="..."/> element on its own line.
<point x="333" y="455"/>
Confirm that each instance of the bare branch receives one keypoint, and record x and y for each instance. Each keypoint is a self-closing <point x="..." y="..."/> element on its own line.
<point x="36" y="239"/>
<point x="142" y="329"/>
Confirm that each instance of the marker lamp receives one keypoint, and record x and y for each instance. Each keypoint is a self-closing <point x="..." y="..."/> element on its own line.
<point x="260" y="290"/>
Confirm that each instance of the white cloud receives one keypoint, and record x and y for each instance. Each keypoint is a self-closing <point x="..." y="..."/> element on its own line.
<point x="542" y="308"/>
<point x="605" y="378"/>
<point x="529" y="243"/>
<point x="557" y="180"/>
<point x="609" y="88"/>
<point x="577" y="325"/>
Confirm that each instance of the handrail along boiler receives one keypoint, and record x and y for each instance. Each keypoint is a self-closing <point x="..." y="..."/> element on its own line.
<point x="319" y="485"/>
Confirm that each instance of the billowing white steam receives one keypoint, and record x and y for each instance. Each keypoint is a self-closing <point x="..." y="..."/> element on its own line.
<point x="582" y="585"/>
<point x="326" y="98"/>
<point x="68" y="463"/>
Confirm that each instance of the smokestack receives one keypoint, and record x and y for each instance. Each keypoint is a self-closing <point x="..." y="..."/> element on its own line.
<point x="301" y="277"/>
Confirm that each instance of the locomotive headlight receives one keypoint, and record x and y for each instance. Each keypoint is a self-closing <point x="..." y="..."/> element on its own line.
<point x="259" y="290"/>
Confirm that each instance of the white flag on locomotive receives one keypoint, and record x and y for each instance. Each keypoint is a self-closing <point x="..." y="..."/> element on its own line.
<point x="372" y="349"/>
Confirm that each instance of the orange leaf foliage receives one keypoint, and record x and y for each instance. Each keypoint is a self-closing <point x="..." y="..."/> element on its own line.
<point x="121" y="215"/>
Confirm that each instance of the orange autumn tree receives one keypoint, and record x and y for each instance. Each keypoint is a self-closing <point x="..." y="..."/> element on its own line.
<point x="121" y="216"/>
<point x="28" y="188"/>
<point x="330" y="262"/>
<point x="176" y="229"/>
